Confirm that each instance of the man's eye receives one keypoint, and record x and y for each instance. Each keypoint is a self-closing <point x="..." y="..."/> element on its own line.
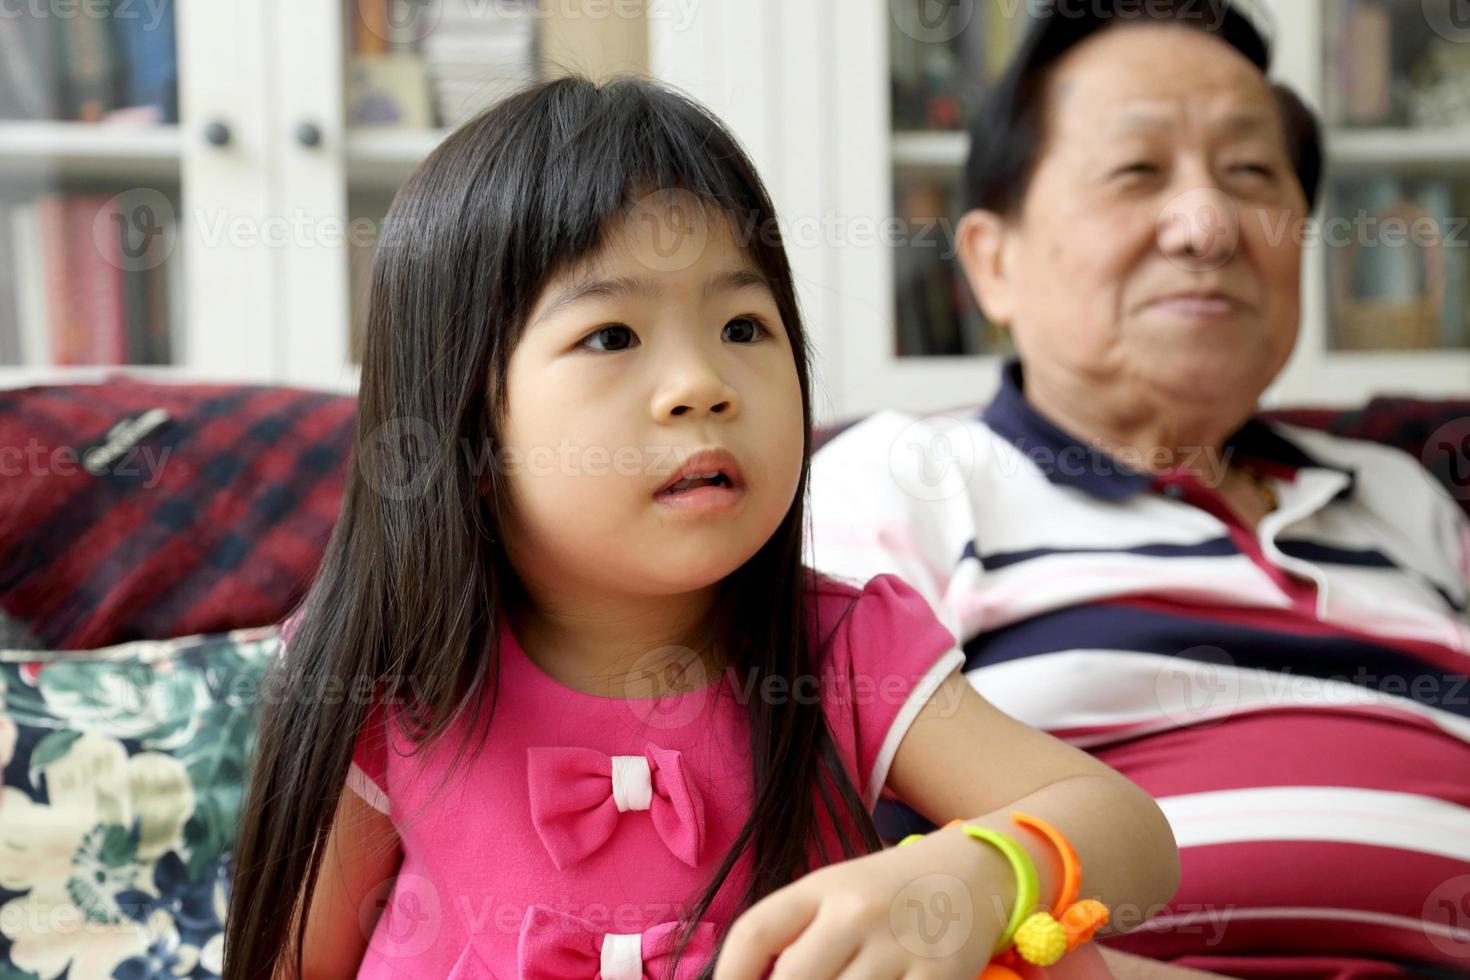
<point x="621" y="337"/>
<point x="748" y="325"/>
<point x="1258" y="169"/>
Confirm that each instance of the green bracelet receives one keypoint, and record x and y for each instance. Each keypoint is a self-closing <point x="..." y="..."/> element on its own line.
<point x="1028" y="885"/>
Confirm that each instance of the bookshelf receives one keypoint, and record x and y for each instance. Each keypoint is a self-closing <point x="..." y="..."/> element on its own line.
<point x="1360" y="64"/>
<point x="86" y="149"/>
<point x="289" y="127"/>
<point x="850" y="109"/>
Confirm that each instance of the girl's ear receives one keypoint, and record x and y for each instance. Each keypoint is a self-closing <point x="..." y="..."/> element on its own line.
<point x="981" y="244"/>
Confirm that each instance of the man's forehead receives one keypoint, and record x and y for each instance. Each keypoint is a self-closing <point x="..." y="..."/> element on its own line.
<point x="1121" y="97"/>
<point x="1159" y="62"/>
<point x="1222" y="112"/>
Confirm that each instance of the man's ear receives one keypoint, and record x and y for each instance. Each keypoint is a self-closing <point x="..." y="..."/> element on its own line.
<point x="980" y="246"/>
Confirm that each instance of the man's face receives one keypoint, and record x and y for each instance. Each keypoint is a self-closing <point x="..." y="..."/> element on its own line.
<point x="1158" y="252"/>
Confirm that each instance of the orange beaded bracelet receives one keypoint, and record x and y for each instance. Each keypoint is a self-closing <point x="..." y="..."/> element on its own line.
<point x="1045" y="938"/>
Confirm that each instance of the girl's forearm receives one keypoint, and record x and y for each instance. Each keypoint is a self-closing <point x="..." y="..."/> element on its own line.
<point x="1129" y="859"/>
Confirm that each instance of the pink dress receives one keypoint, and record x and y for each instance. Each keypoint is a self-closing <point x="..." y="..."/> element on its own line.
<point x="575" y="844"/>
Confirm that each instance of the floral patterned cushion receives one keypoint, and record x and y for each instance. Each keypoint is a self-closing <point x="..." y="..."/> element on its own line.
<point x="123" y="774"/>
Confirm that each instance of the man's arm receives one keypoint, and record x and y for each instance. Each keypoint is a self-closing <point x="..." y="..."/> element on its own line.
<point x="1126" y="966"/>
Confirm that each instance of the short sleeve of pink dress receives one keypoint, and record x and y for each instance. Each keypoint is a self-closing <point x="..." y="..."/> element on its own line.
<point x="887" y="655"/>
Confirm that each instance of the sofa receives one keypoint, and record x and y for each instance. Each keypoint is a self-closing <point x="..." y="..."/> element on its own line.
<point x="152" y="538"/>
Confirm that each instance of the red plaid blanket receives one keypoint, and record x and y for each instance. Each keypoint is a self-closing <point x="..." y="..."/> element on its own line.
<point x="132" y="510"/>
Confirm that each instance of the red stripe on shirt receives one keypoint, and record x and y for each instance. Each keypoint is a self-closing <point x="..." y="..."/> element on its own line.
<point x="1294" y="746"/>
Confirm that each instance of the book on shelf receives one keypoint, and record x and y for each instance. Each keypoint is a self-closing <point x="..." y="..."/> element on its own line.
<point x="87" y="280"/>
<point x="148" y="51"/>
<point x="388" y="89"/>
<point x="28" y="82"/>
<point x="142" y="243"/>
<point x="405" y="27"/>
<point x="370" y="26"/>
<point x="478" y="53"/>
<point x="1365" y="61"/>
<point x="1437" y="198"/>
<point x="474" y="54"/>
<point x="88" y="69"/>
<point x="92" y="329"/>
<point x="1398" y="283"/>
<point x="119" y="67"/>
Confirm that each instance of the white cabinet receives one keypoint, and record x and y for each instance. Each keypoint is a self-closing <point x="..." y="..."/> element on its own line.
<point x="276" y="197"/>
<point x="851" y="111"/>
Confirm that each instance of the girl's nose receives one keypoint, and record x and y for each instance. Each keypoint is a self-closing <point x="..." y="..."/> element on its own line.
<point x="696" y="389"/>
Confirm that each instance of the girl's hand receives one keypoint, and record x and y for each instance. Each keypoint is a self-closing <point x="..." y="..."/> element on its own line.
<point x="932" y="909"/>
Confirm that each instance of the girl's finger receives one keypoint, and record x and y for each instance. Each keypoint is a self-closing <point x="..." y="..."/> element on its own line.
<point x="819" y="953"/>
<point x="871" y="963"/>
<point x="766" y="928"/>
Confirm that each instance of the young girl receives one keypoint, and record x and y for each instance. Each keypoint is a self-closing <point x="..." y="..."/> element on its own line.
<point x="562" y="701"/>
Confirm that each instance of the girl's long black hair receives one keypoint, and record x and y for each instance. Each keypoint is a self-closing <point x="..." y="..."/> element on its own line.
<point x="413" y="580"/>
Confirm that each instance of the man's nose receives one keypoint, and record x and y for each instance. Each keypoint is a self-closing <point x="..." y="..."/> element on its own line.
<point x="1200" y="227"/>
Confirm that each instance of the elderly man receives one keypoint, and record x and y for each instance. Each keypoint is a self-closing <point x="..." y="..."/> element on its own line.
<point x="1262" y="626"/>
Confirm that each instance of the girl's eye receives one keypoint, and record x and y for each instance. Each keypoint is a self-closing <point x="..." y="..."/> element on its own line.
<point x="621" y="336"/>
<point x="1141" y="168"/>
<point x="748" y="324"/>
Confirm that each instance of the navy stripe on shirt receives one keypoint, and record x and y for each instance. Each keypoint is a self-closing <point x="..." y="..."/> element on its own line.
<point x="1121" y="627"/>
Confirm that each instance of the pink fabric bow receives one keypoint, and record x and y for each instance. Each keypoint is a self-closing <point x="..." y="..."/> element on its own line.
<point x="557" y="946"/>
<point x="578" y="795"/>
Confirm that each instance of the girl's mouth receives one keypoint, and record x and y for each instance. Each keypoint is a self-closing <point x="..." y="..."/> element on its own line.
<point x="701" y="495"/>
<point x="690" y="483"/>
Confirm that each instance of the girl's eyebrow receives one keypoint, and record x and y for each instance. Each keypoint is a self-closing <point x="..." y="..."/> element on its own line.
<point x="618" y="287"/>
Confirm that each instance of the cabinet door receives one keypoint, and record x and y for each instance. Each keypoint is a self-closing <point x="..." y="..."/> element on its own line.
<point x="308" y="140"/>
<point x="231" y="297"/>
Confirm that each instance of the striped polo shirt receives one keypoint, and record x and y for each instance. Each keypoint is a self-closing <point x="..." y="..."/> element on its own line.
<point x="1294" y="697"/>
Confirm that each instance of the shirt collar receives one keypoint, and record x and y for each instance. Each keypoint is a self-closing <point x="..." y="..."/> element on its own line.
<point x="1068" y="461"/>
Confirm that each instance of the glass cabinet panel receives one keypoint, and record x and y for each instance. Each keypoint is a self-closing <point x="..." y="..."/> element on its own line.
<point x="90" y="272"/>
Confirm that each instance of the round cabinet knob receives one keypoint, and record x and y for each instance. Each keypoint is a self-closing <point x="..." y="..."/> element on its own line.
<point x="217" y="133"/>
<point x="309" y="134"/>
